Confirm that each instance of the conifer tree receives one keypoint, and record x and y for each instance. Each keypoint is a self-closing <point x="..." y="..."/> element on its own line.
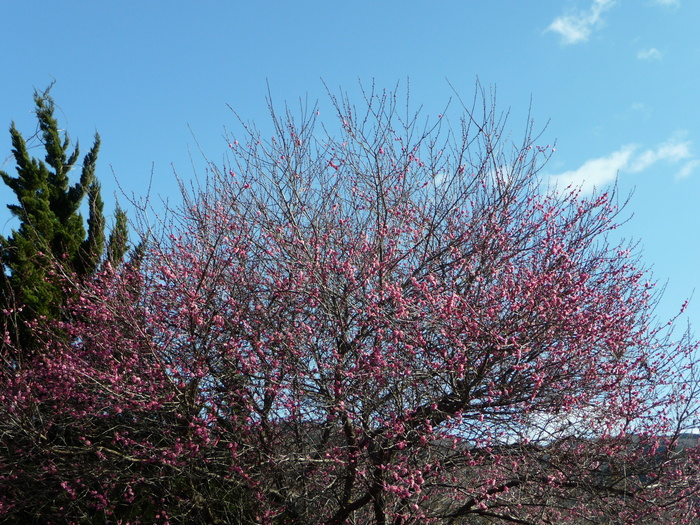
<point x="51" y="235"/>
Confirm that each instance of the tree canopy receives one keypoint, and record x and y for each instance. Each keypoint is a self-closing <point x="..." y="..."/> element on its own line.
<point x="389" y="322"/>
<point x="51" y="237"/>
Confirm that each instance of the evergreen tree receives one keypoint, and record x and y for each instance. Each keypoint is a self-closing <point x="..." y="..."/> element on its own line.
<point x="51" y="238"/>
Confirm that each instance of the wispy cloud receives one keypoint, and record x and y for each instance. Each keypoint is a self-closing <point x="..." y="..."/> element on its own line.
<point x="577" y="26"/>
<point x="641" y="109"/>
<point x="667" y="3"/>
<point x="649" y="54"/>
<point x="687" y="169"/>
<point x="601" y="171"/>
<point x="673" y="150"/>
<point x="596" y="173"/>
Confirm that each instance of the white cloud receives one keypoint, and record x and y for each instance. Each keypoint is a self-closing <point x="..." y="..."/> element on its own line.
<point x="649" y="54"/>
<point x="599" y="172"/>
<point x="667" y="3"/>
<point x="673" y="150"/>
<point x="577" y="27"/>
<point x="596" y="173"/>
<point x="687" y="169"/>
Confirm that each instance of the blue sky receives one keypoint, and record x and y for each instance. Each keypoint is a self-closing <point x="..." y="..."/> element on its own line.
<point x="617" y="81"/>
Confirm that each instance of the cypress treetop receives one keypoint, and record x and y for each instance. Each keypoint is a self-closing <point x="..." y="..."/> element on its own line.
<point x="51" y="232"/>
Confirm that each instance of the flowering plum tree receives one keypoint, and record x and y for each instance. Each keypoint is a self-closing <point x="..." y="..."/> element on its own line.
<point x="398" y="323"/>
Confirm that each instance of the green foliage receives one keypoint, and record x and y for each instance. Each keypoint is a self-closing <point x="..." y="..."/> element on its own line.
<point x="51" y="241"/>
